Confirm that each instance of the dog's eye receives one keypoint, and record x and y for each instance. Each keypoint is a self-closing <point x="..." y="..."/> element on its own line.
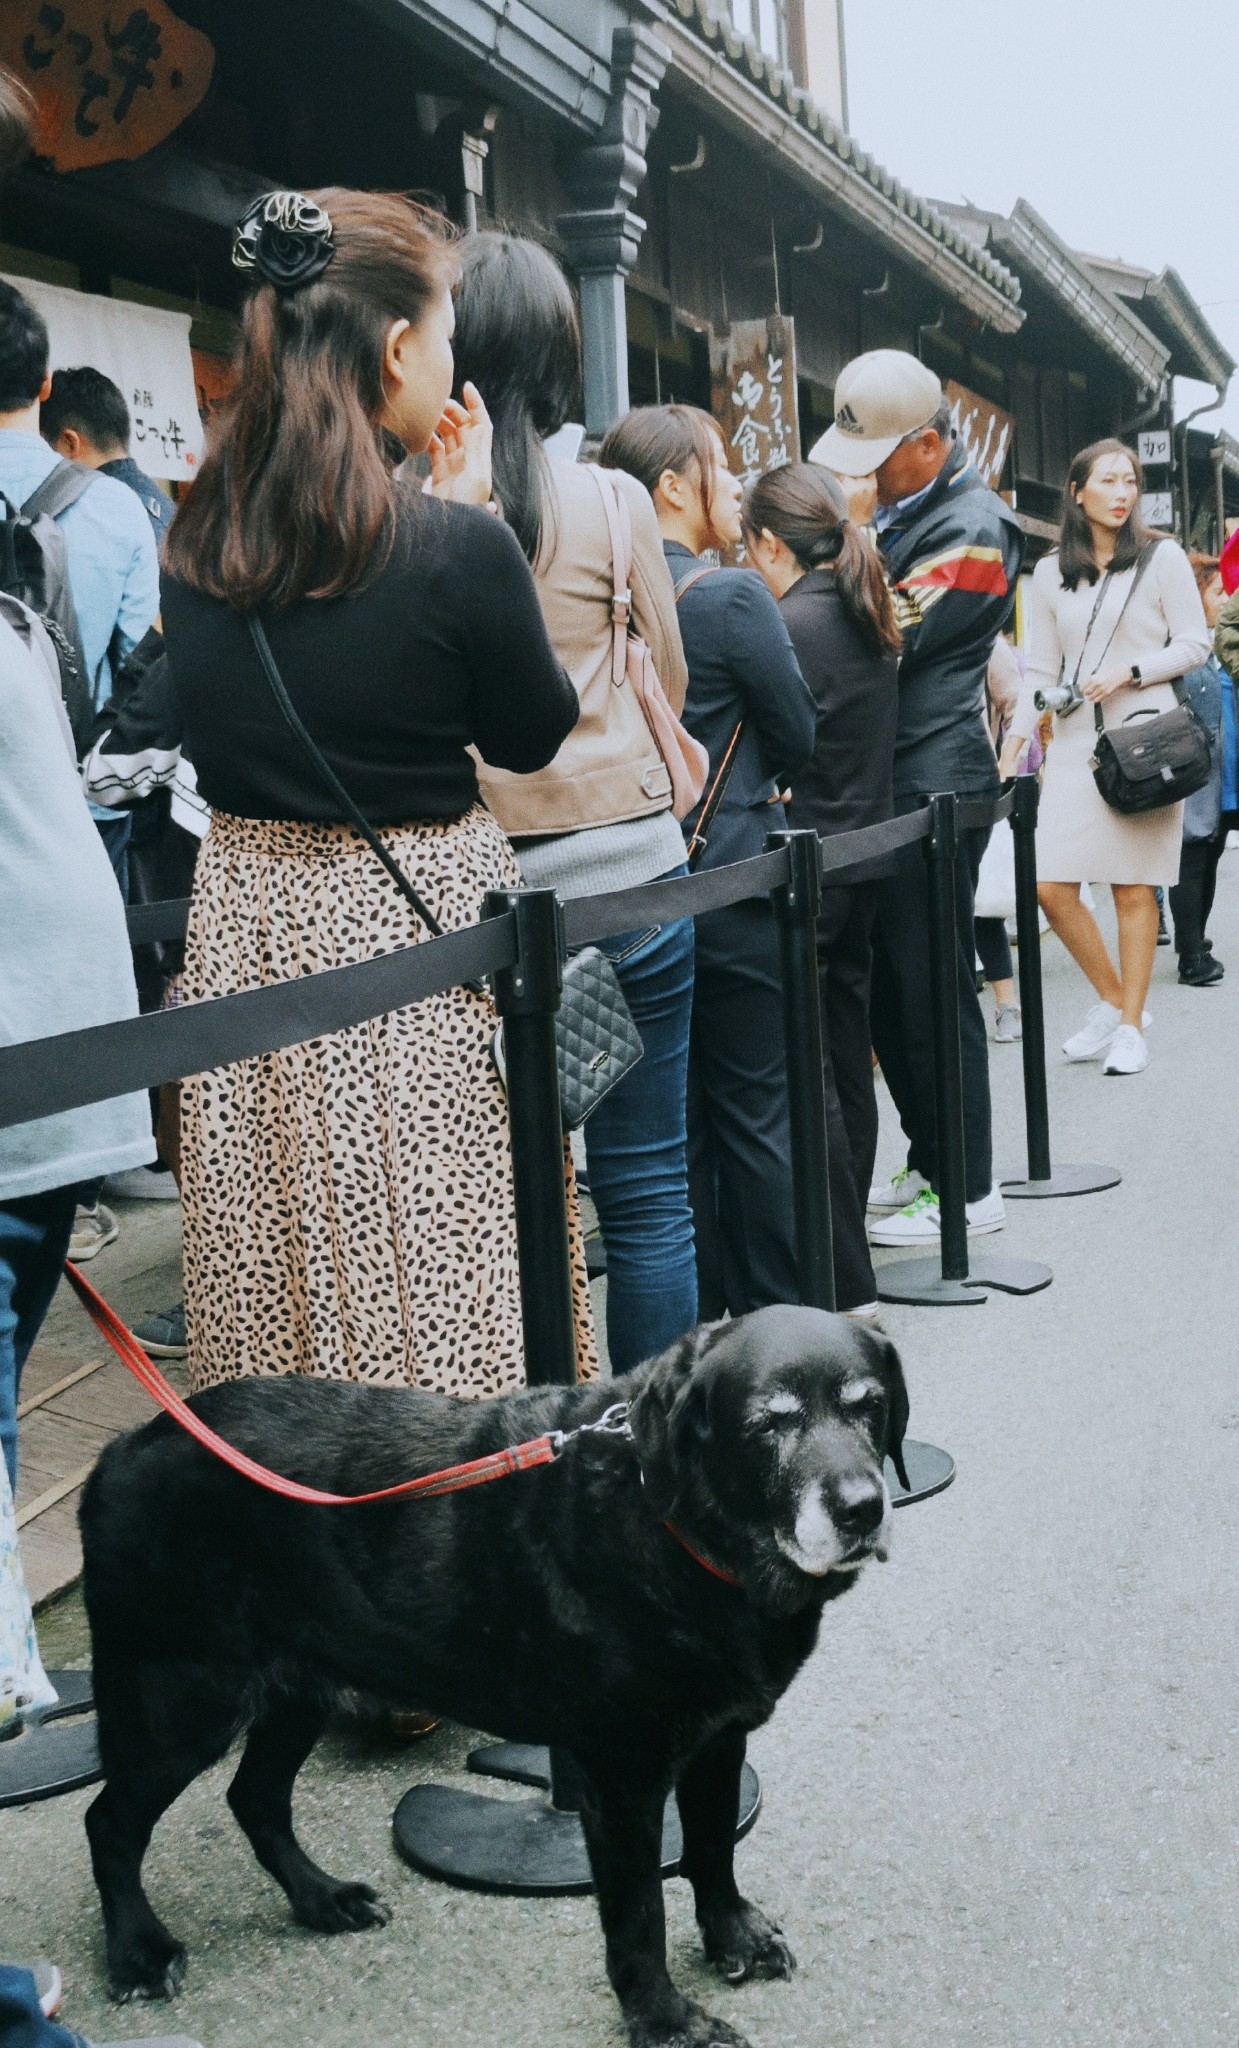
<point x="772" y="1420"/>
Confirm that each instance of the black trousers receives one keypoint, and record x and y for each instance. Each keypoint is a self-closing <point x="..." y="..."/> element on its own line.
<point x="739" y="1138"/>
<point x="1191" y="899"/>
<point x="993" y="949"/>
<point x="902" y="1017"/>
<point x="845" y="960"/>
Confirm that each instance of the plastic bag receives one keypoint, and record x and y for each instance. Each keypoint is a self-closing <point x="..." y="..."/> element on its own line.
<point x="996" y="882"/>
<point x="25" y="1688"/>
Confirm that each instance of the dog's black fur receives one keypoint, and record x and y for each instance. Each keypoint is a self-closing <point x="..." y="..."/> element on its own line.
<point x="553" y="1606"/>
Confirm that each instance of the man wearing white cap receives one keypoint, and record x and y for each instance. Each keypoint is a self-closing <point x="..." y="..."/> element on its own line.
<point x="952" y="551"/>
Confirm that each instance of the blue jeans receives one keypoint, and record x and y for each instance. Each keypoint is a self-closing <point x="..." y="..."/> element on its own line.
<point x="34" y="1237"/>
<point x="636" y="1146"/>
<point x="22" y="2024"/>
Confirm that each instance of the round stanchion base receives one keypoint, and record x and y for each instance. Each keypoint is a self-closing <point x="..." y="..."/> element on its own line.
<point x="1064" y="1180"/>
<point x="43" y="1761"/>
<point x="522" y="1846"/>
<point x="918" y="1283"/>
<point x="929" y="1469"/>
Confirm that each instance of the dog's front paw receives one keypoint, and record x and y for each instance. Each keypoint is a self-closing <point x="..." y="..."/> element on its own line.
<point x="147" y="1966"/>
<point x="742" y="1942"/>
<point x="688" y="2027"/>
<point x="339" y="1908"/>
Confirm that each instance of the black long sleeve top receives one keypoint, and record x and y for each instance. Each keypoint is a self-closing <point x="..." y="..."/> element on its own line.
<point x="741" y="667"/>
<point x="444" y="648"/>
<point x="849" y="782"/>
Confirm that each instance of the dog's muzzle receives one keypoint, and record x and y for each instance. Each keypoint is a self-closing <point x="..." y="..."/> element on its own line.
<point x="838" y="1529"/>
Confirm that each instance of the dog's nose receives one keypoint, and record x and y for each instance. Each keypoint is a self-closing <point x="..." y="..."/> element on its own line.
<point x="861" y="1506"/>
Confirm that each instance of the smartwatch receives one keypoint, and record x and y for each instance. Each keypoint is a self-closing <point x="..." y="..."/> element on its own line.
<point x="1137" y="680"/>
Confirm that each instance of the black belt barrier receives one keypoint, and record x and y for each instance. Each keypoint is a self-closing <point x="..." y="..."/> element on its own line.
<point x="521" y="942"/>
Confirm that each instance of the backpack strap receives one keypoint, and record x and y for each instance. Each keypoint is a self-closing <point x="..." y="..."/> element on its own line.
<point x="60" y="488"/>
<point x="619" y="533"/>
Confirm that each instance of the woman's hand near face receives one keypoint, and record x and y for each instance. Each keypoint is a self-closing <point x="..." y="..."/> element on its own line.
<point x="861" y="493"/>
<point x="1111" y="680"/>
<point x="460" y="451"/>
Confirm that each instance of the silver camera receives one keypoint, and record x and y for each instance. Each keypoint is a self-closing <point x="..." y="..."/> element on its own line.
<point x="1062" y="697"/>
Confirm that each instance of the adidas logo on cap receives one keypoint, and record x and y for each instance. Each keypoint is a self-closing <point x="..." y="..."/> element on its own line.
<point x="847" y="422"/>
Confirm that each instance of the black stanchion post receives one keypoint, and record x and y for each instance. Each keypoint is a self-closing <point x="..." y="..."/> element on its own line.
<point x="529" y="1846"/>
<point x="527" y="998"/>
<point x="1042" y="1179"/>
<point x="951" y="1280"/>
<point x="797" y="902"/>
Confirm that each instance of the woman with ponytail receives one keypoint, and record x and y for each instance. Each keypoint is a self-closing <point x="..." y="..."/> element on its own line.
<point x="348" y="1202"/>
<point x="837" y="608"/>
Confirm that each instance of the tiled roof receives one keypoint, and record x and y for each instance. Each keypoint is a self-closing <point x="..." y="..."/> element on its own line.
<point x="745" y="56"/>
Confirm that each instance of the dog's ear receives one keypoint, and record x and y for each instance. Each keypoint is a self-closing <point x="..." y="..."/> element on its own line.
<point x="899" y="1408"/>
<point x="651" y="1414"/>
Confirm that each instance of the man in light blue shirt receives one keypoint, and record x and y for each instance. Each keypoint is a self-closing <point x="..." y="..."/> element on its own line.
<point x="112" y="562"/>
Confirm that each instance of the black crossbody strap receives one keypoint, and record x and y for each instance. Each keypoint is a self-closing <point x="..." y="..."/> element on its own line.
<point x="332" y="781"/>
<point x="1146" y="555"/>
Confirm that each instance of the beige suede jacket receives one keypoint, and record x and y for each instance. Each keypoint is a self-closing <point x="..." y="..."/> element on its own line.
<point x="608" y="768"/>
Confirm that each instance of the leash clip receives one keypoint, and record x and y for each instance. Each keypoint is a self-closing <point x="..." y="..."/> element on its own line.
<point x="612" y="1422"/>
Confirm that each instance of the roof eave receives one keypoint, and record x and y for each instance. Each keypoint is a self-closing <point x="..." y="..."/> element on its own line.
<point x="1211" y="361"/>
<point x="740" y="105"/>
<point x="1024" y="238"/>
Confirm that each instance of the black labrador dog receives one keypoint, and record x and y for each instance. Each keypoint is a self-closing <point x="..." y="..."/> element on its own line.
<point x="643" y="1602"/>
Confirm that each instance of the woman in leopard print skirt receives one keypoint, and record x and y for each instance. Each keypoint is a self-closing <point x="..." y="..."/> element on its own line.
<point x="348" y="1202"/>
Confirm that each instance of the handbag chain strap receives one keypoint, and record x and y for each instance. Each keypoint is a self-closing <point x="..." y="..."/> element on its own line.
<point x="332" y="781"/>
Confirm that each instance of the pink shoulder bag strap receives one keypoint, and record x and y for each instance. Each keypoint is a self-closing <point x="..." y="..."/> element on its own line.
<point x="687" y="761"/>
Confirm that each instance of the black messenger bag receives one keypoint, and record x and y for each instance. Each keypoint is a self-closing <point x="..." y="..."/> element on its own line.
<point x="1154" y="758"/>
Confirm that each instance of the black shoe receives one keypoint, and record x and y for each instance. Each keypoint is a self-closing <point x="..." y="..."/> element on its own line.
<point x="1199" y="970"/>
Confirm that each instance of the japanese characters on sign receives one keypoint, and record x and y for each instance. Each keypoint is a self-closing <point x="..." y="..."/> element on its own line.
<point x="145" y="351"/>
<point x="984" y="429"/>
<point x="754" y="395"/>
<point x="109" y="80"/>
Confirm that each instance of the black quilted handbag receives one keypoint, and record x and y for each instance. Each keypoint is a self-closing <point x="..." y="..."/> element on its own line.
<point x="595" y="1036"/>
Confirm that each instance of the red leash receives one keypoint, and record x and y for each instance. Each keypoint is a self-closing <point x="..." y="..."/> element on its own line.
<point x="540" y="1450"/>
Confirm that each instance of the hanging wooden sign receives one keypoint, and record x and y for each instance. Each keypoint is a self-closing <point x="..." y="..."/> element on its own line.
<point x="109" y="80"/>
<point x="753" y="379"/>
<point x="985" y="430"/>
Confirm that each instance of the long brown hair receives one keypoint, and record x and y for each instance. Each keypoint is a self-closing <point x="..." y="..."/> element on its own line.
<point x="654" y="438"/>
<point x="295" y="498"/>
<point x="802" y="506"/>
<point x="1077" y="562"/>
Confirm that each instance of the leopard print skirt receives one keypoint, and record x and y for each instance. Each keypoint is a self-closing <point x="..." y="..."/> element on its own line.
<point x="347" y="1203"/>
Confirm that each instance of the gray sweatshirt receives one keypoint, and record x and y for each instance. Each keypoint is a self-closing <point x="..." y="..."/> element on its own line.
<point x="64" y="951"/>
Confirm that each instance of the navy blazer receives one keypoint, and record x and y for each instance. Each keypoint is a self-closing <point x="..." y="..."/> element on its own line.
<point x="741" y="667"/>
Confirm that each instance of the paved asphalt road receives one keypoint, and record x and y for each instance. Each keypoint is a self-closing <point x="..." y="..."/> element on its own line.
<point x="1000" y="1803"/>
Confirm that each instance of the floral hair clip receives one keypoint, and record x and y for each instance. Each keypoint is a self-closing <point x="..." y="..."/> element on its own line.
<point x="286" y="238"/>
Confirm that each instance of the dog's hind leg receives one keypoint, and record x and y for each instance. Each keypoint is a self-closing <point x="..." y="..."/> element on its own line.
<point x="623" y="1831"/>
<point x="739" y="1940"/>
<point x="261" y="1797"/>
<point x="158" y="1730"/>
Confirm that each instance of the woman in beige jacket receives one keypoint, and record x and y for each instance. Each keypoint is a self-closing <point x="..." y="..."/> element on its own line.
<point x="599" y="817"/>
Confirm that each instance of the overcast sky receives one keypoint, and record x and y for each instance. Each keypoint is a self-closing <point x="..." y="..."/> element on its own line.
<point x="1117" y="119"/>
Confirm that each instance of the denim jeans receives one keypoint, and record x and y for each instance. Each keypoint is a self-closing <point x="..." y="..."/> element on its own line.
<point x="22" y="2024"/>
<point x="34" y="1237"/>
<point x="635" y="1144"/>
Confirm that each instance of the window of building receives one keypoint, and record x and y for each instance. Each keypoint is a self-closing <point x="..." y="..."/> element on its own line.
<point x="766" y="22"/>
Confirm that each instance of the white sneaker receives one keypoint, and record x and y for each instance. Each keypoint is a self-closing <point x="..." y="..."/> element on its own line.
<point x="1098" y="1028"/>
<point x="897" y="1192"/>
<point x="920" y="1222"/>
<point x="1128" y="1052"/>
